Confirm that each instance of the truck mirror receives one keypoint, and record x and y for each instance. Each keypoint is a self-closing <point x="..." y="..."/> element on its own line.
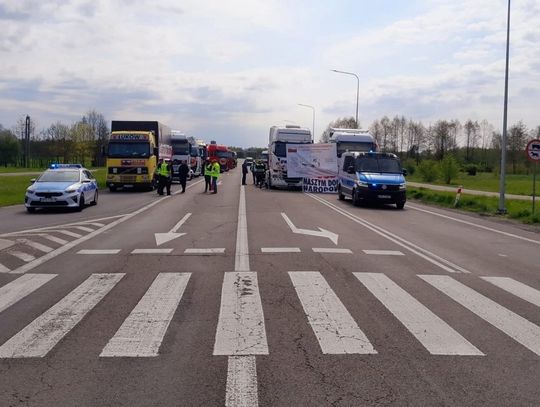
<point x="350" y="169"/>
<point x="156" y="151"/>
<point x="404" y="172"/>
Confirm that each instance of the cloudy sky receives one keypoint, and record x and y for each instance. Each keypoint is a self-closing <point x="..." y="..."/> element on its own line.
<point x="228" y="70"/>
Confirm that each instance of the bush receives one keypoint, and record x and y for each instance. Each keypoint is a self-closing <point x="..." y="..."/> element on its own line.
<point x="428" y="170"/>
<point x="410" y="166"/>
<point x="449" y="168"/>
<point x="471" y="169"/>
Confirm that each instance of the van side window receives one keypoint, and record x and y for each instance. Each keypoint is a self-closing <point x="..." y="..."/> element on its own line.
<point x="347" y="162"/>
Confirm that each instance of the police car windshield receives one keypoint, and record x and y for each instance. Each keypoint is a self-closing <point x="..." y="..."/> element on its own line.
<point x="377" y="164"/>
<point x="60" y="176"/>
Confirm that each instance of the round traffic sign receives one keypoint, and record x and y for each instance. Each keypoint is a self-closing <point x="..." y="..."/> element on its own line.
<point x="533" y="150"/>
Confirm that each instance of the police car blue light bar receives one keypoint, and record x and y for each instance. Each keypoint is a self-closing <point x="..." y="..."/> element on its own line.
<point x="58" y="166"/>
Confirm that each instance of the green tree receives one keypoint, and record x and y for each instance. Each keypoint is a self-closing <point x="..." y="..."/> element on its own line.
<point x="428" y="170"/>
<point x="449" y="168"/>
<point x="9" y="147"/>
<point x="517" y="141"/>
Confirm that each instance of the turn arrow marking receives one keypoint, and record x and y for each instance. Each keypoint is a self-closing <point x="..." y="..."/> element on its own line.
<point x="171" y="234"/>
<point x="320" y="233"/>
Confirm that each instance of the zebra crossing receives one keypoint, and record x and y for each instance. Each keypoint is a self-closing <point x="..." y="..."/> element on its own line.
<point x="19" y="249"/>
<point x="240" y="327"/>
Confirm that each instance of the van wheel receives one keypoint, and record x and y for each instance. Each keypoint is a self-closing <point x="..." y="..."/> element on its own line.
<point x="400" y="205"/>
<point x="340" y="196"/>
<point x="112" y="189"/>
<point x="31" y="210"/>
<point x="356" y="198"/>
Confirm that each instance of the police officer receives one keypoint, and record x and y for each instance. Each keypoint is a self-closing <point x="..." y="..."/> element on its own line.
<point x="164" y="176"/>
<point x="216" y="170"/>
<point x="207" y="170"/>
<point x="245" y="167"/>
<point x="183" y="171"/>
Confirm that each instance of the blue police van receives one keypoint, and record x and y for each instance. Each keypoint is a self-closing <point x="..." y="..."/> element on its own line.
<point x="372" y="177"/>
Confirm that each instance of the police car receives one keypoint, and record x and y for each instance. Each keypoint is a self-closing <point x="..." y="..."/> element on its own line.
<point x="62" y="186"/>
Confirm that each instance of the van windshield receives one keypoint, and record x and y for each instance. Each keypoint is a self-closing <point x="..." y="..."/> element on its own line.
<point x="377" y="164"/>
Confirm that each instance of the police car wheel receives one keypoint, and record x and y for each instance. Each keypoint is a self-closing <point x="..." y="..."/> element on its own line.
<point x="31" y="210"/>
<point x="355" y="198"/>
<point x="341" y="197"/>
<point x="81" y="203"/>
<point x="94" y="202"/>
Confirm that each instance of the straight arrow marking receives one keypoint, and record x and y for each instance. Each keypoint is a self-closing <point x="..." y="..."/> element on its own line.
<point x="171" y="234"/>
<point x="320" y="233"/>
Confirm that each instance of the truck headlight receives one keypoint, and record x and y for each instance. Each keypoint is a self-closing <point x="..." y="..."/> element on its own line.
<point x="402" y="186"/>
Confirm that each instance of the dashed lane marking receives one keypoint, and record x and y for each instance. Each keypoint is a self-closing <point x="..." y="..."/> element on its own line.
<point x="99" y="251"/>
<point x="218" y="250"/>
<point x="384" y="252"/>
<point x="331" y="250"/>
<point x="280" y="250"/>
<point x="151" y="251"/>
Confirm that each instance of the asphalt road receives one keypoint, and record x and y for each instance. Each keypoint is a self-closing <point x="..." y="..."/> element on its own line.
<point x="272" y="297"/>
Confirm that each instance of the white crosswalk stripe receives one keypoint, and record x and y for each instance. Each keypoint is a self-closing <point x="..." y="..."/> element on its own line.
<point x="69" y="233"/>
<point x="27" y="257"/>
<point x="42" y="334"/>
<point x="240" y="329"/>
<point x="334" y="327"/>
<point x="36" y="245"/>
<point x="517" y="288"/>
<point x="142" y="332"/>
<point x="54" y="239"/>
<point x="512" y="324"/>
<point x="431" y="331"/>
<point x="21" y="287"/>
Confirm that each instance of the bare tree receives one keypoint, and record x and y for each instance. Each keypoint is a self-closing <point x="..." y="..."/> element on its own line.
<point x="471" y="137"/>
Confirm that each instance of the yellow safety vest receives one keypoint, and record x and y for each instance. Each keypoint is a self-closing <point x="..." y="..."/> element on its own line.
<point x="164" y="170"/>
<point x="215" y="169"/>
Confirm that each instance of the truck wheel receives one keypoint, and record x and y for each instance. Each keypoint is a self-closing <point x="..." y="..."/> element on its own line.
<point x="400" y="205"/>
<point x="340" y="196"/>
<point x="31" y="210"/>
<point x="112" y="189"/>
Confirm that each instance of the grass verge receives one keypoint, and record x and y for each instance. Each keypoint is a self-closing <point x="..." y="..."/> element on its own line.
<point x="517" y="210"/>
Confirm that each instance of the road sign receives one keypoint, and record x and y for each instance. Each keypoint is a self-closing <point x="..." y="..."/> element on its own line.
<point x="533" y="150"/>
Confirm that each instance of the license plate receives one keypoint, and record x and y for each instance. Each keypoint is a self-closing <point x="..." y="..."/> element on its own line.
<point x="384" y="196"/>
<point x="48" y="200"/>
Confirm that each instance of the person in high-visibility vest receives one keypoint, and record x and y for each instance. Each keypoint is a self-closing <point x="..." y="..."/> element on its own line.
<point x="214" y="173"/>
<point x="207" y="170"/>
<point x="164" y="171"/>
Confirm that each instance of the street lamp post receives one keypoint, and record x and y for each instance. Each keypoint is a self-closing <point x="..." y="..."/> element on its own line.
<point x="313" y="127"/>
<point x="502" y="208"/>
<point x="357" y="90"/>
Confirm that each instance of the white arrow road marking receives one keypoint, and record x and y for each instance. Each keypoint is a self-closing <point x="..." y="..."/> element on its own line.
<point x="171" y="234"/>
<point x="321" y="233"/>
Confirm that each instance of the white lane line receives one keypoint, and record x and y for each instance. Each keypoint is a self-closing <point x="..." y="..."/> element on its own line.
<point x="70" y="245"/>
<point x="331" y="250"/>
<point x="96" y="224"/>
<point x="512" y="324"/>
<point x="143" y="330"/>
<point x="38" y="246"/>
<point x="4" y="244"/>
<point x="83" y="228"/>
<point x="334" y="327"/>
<point x="22" y="255"/>
<point x="217" y="250"/>
<point x="69" y="233"/>
<point x="474" y="224"/>
<point x="280" y="250"/>
<point x="99" y="251"/>
<point x="240" y="329"/>
<point x="4" y="269"/>
<point x="430" y="330"/>
<point x="21" y="287"/>
<point x="517" y="288"/>
<point x="55" y="239"/>
<point x="151" y="251"/>
<point x="413" y="248"/>
<point x="384" y="252"/>
<point x="241" y="382"/>
<point x="241" y="259"/>
<point x="42" y="334"/>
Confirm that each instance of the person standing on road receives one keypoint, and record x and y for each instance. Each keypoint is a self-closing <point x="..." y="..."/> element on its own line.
<point x="207" y="170"/>
<point x="164" y="176"/>
<point x="216" y="170"/>
<point x="245" y="166"/>
<point x="183" y="171"/>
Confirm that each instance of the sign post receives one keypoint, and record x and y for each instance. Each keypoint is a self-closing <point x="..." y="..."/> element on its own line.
<point x="533" y="154"/>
